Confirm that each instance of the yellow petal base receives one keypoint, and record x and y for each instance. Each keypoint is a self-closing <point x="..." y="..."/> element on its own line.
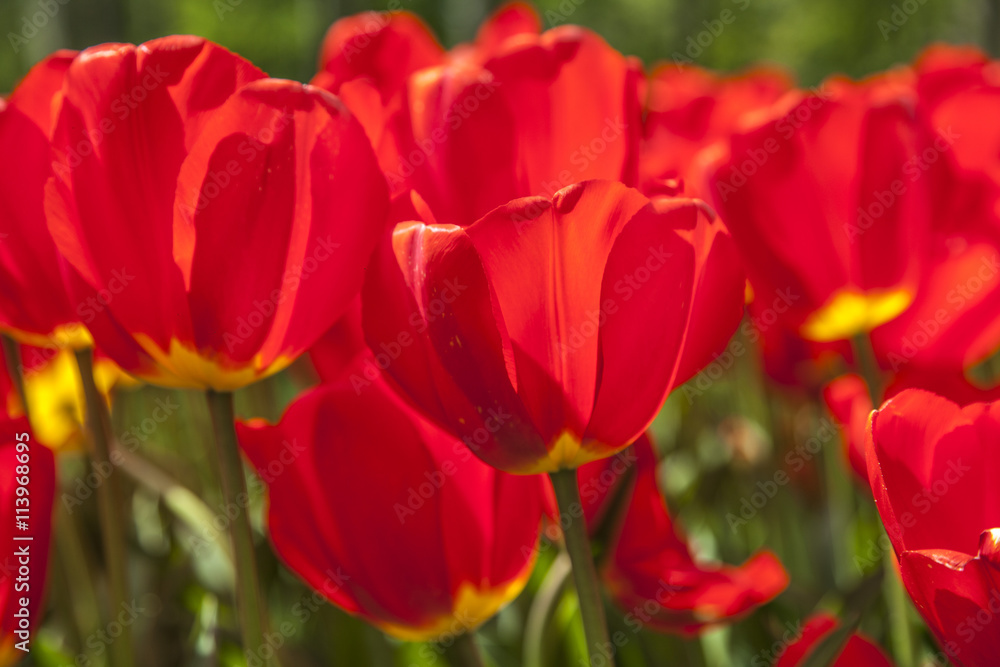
<point x="850" y="312"/>
<point x="183" y="367"/>
<point x="68" y="336"/>
<point x="473" y="607"/>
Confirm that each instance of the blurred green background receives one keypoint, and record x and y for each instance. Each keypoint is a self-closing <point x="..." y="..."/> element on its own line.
<point x="282" y="36"/>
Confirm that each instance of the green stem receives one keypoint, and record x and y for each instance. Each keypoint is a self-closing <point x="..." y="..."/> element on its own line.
<point x="73" y="566"/>
<point x="864" y="360"/>
<point x="584" y="573"/>
<point x="12" y="358"/>
<point x="900" y="631"/>
<point x="111" y="504"/>
<point x="249" y="601"/>
<point x="465" y="651"/>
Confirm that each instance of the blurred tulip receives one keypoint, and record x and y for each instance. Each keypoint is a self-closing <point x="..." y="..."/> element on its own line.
<point x="650" y="571"/>
<point x="391" y="518"/>
<point x="821" y="200"/>
<point x="516" y="113"/>
<point x="954" y="323"/>
<point x="34" y="305"/>
<point x="260" y="202"/>
<point x="546" y="335"/>
<point x="932" y="467"/>
<point x="857" y="652"/>
<point x="688" y="110"/>
<point x="25" y="465"/>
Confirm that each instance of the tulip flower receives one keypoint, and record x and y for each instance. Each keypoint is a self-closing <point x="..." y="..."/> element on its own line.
<point x="650" y="571"/>
<point x="261" y="201"/>
<point x="34" y="305"/>
<point x="27" y="493"/>
<point x="858" y="651"/>
<point x="516" y="113"/>
<point x="463" y="535"/>
<point x="953" y="323"/>
<point x="823" y="207"/>
<point x="545" y="335"/>
<point x="932" y="468"/>
<point x="688" y="110"/>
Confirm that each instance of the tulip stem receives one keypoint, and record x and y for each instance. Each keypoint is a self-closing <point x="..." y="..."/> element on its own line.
<point x="12" y="358"/>
<point x="900" y="632"/>
<point x="588" y="590"/>
<point x="249" y="601"/>
<point x="465" y="651"/>
<point x="864" y="361"/>
<point x="110" y="504"/>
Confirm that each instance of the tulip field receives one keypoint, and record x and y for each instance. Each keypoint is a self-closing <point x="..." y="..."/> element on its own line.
<point x="483" y="334"/>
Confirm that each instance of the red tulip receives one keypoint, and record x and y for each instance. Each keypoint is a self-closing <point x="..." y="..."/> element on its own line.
<point x="415" y="534"/>
<point x="688" y="110"/>
<point x="514" y="114"/>
<point x="528" y="334"/>
<point x="824" y="208"/>
<point x="651" y="573"/>
<point x="34" y="305"/>
<point x="857" y="652"/>
<point x="932" y="467"/>
<point x="953" y="323"/>
<point x="244" y="187"/>
<point x="27" y="492"/>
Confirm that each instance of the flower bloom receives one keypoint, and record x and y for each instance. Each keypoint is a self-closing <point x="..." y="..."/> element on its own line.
<point x="516" y="113"/>
<point x="415" y="535"/>
<point x="224" y="219"/>
<point x="858" y="651"/>
<point x="34" y="305"/>
<point x="953" y="323"/>
<point x="932" y="467"/>
<point x="821" y="203"/>
<point x="650" y="571"/>
<point x="28" y="484"/>
<point x="545" y="335"/>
